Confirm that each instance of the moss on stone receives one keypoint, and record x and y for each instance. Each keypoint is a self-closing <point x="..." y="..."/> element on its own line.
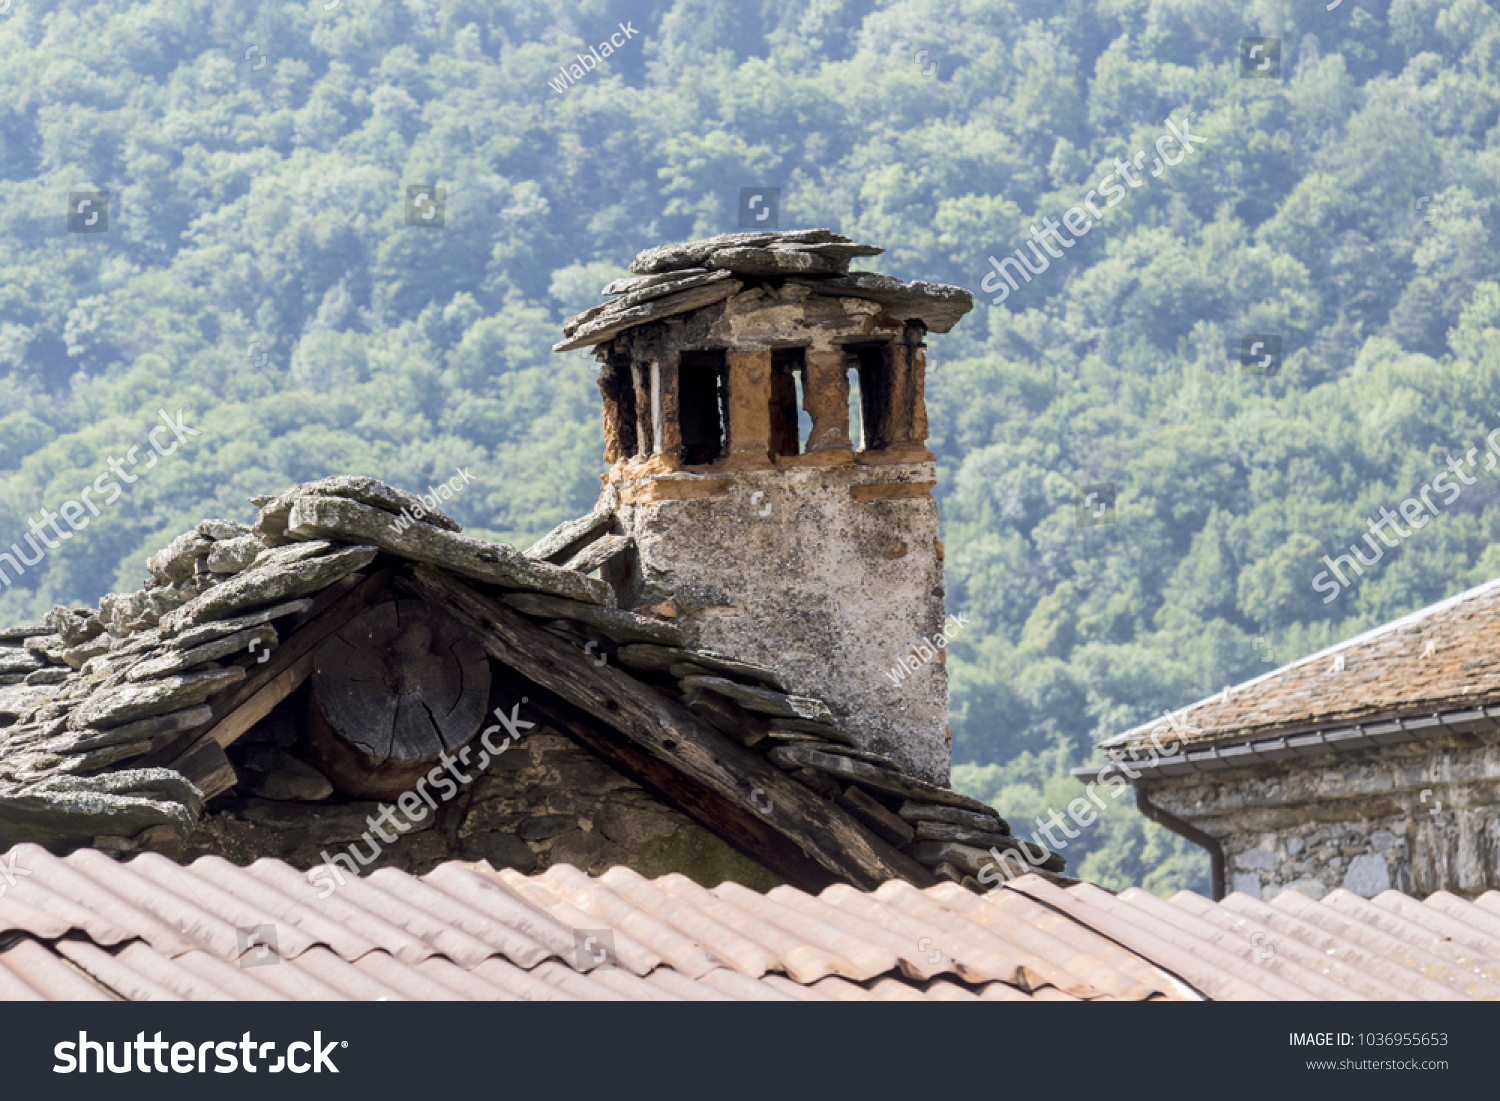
<point x="705" y="859"/>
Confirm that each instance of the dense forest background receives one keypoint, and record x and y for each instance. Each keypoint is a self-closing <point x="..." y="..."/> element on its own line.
<point x="258" y="273"/>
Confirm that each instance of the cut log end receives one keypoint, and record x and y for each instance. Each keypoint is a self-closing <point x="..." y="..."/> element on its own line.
<point x="391" y="692"/>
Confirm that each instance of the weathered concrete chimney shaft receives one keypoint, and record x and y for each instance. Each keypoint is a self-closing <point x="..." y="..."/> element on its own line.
<point x="774" y="523"/>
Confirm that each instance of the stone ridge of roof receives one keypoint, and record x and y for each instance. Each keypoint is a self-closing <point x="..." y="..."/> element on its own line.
<point x="1224" y="722"/>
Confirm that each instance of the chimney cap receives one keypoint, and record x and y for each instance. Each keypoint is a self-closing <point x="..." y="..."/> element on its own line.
<point x="684" y="278"/>
<point x="823" y="244"/>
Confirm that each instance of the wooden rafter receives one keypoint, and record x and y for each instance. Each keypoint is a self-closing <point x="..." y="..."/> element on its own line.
<point x="659" y="728"/>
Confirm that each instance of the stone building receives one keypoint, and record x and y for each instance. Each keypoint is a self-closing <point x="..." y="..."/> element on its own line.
<point x="1373" y="764"/>
<point x="686" y="680"/>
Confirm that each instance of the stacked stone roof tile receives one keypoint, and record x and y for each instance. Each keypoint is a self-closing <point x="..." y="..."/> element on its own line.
<point x="1434" y="661"/>
<point x="94" y="697"/>
<point x="686" y="278"/>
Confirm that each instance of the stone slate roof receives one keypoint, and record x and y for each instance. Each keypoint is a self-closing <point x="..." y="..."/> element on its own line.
<point x="117" y="716"/>
<point x="680" y="279"/>
<point x="1442" y="659"/>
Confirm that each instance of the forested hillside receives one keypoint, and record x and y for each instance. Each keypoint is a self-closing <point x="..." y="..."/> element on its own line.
<point x="258" y="272"/>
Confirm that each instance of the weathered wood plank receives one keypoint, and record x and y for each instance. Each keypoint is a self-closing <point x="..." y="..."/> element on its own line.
<point x="916" y="811"/>
<point x="207" y="766"/>
<point x="622" y="626"/>
<point x="876" y="778"/>
<point x="890" y="826"/>
<point x="331" y="609"/>
<point x="972" y="860"/>
<point x="824" y="831"/>
<point x="726" y="716"/>
<point x="229" y="729"/>
<point x="777" y="704"/>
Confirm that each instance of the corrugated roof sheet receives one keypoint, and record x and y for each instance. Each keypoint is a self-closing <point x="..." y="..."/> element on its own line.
<point x="88" y="927"/>
<point x="1441" y="658"/>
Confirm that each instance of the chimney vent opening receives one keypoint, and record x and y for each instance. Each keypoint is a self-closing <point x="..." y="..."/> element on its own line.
<point x="872" y="394"/>
<point x="790" y="424"/>
<point x="618" y="387"/>
<point x="702" y="405"/>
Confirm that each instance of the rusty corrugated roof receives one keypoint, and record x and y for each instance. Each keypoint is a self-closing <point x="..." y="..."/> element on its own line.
<point x="88" y="927"/>
<point x="1443" y="658"/>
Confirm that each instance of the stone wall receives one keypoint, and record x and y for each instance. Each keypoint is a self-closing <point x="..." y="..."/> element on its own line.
<point x="545" y="800"/>
<point x="791" y="569"/>
<point x="1357" y="820"/>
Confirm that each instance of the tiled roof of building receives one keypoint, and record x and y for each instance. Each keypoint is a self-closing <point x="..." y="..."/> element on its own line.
<point x="1442" y="659"/>
<point x="89" y="927"/>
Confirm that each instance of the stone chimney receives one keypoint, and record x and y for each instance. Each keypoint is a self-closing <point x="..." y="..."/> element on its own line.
<point x="806" y="541"/>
